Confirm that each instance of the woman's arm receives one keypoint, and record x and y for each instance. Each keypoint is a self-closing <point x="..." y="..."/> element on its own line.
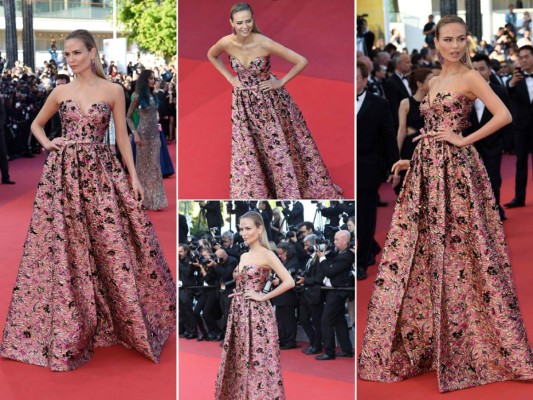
<point x="213" y="56"/>
<point x="402" y="118"/>
<point x="277" y="49"/>
<point x="129" y="118"/>
<point x="48" y="110"/>
<point x="287" y="282"/>
<point x="121" y="137"/>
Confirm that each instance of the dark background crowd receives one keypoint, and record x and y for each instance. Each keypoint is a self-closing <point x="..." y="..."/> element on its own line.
<point x="317" y="303"/>
<point x="24" y="91"/>
<point x="392" y="81"/>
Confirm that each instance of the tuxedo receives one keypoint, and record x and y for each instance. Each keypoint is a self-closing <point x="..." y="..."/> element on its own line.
<point x="338" y="270"/>
<point x="286" y="304"/>
<point x="377" y="151"/>
<point x="523" y="134"/>
<point x="183" y="230"/>
<point x="226" y="283"/>
<point x="188" y="278"/>
<point x="496" y="79"/>
<point x="490" y="148"/>
<point x="311" y="303"/>
<point x="395" y="92"/>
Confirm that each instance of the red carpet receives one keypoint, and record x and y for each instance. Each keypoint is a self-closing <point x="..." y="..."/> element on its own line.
<point x="303" y="377"/>
<point x="519" y="234"/>
<point x="324" y="91"/>
<point x="113" y="372"/>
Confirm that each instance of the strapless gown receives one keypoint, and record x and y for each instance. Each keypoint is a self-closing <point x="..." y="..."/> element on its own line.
<point x="92" y="272"/>
<point x="273" y="153"/>
<point x="444" y="298"/>
<point x="250" y="366"/>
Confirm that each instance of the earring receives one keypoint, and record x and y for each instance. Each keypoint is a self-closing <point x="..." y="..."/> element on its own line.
<point x="439" y="56"/>
<point x="463" y="59"/>
<point x="93" y="67"/>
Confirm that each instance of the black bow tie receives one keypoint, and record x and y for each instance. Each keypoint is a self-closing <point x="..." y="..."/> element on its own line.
<point x="360" y="94"/>
<point x="403" y="77"/>
<point x="527" y="75"/>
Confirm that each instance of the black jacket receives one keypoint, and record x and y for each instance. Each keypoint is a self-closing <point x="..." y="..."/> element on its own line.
<point x="339" y="269"/>
<point x="289" y="297"/>
<point x="522" y="107"/>
<point x="395" y="92"/>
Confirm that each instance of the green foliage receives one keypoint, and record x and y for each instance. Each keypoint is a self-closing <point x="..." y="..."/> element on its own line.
<point x="151" y="24"/>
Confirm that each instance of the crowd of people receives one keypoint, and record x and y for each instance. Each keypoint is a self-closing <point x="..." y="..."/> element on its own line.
<point x="23" y="91"/>
<point x="320" y="261"/>
<point x="397" y="80"/>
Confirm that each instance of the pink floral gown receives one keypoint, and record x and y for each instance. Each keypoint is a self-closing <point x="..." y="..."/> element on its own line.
<point x="92" y="272"/>
<point x="273" y="153"/>
<point x="444" y="298"/>
<point x="250" y="368"/>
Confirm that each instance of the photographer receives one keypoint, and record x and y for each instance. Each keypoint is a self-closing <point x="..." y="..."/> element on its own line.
<point x="187" y="278"/>
<point x="294" y="216"/>
<point x="287" y="302"/>
<point x="213" y="214"/>
<point x="229" y="246"/>
<point x="238" y="208"/>
<point x="266" y="213"/>
<point x="275" y="226"/>
<point x="311" y="304"/>
<point x="339" y="272"/>
<point x="224" y="269"/>
<point x="207" y="304"/>
<point x="306" y="228"/>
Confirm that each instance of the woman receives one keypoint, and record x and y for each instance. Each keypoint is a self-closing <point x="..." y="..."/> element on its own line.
<point x="273" y="152"/>
<point x="444" y="298"/>
<point x="92" y="273"/>
<point x="410" y="118"/>
<point x="171" y="97"/>
<point x="148" y="141"/>
<point x="250" y="366"/>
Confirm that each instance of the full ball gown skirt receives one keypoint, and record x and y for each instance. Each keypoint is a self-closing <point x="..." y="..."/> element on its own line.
<point x="147" y="161"/>
<point x="92" y="272"/>
<point x="250" y="368"/>
<point x="444" y="298"/>
<point x="273" y="153"/>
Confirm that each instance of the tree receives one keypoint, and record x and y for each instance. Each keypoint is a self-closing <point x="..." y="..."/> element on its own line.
<point x="151" y="24"/>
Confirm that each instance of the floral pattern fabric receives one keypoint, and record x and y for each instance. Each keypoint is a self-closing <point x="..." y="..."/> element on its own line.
<point x="444" y="298"/>
<point x="250" y="366"/>
<point x="92" y="272"/>
<point x="273" y="152"/>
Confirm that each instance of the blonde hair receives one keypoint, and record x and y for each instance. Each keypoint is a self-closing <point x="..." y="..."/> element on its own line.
<point x="257" y="219"/>
<point x="454" y="19"/>
<point x="90" y="43"/>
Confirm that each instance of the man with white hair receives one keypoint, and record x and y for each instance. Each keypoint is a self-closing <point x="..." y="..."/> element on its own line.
<point x="339" y="271"/>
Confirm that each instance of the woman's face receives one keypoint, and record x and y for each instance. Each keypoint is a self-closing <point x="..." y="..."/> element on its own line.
<point x="425" y="84"/>
<point x="77" y="55"/>
<point x="452" y="42"/>
<point x="351" y="226"/>
<point x="243" y="23"/>
<point x="151" y="81"/>
<point x="249" y="232"/>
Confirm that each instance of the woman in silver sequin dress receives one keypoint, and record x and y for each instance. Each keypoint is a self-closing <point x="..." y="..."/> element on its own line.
<point x="148" y="142"/>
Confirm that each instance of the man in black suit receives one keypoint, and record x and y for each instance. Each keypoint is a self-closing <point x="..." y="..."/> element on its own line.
<point x="520" y="88"/>
<point x="490" y="148"/>
<point x="339" y="272"/>
<point x="188" y="277"/>
<point x="224" y="270"/>
<point x="376" y="150"/>
<point x="294" y="216"/>
<point x="287" y="302"/>
<point x="311" y="304"/>
<point x="213" y="215"/>
<point x="397" y="86"/>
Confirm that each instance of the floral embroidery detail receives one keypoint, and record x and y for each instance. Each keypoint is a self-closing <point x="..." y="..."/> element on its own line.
<point x="444" y="298"/>
<point x="84" y="281"/>
<point x="273" y="152"/>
